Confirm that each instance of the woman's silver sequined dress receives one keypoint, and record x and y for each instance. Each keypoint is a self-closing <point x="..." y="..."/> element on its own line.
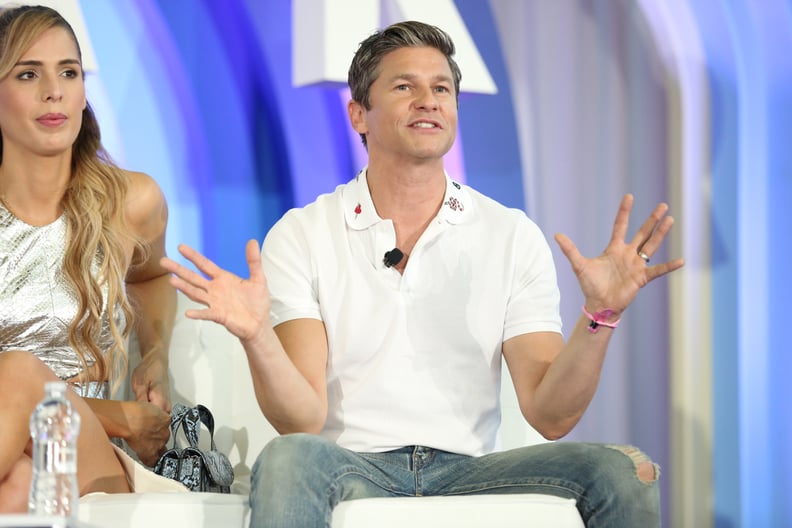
<point x="36" y="303"/>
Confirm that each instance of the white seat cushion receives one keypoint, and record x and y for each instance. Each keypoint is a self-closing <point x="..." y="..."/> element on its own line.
<point x="164" y="510"/>
<point x="471" y="511"/>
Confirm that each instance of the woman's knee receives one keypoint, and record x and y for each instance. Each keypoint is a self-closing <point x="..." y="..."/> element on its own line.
<point x="22" y="378"/>
<point x="14" y="488"/>
<point x="21" y="365"/>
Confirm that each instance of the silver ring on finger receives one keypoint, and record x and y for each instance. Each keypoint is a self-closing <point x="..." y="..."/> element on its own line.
<point x="644" y="256"/>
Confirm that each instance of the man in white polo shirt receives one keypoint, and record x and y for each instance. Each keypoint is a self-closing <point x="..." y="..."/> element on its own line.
<point x="375" y="320"/>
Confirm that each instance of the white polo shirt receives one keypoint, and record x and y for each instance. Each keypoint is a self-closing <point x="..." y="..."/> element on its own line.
<point x="414" y="359"/>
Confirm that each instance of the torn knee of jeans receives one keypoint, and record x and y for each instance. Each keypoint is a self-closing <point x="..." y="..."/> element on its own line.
<point x="646" y="470"/>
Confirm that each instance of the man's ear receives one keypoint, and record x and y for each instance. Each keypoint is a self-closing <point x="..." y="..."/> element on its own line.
<point x="357" y="116"/>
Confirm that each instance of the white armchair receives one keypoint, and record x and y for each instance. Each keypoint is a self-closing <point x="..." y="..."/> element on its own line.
<point x="208" y="366"/>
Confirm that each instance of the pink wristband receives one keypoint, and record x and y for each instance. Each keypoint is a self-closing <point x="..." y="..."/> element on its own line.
<point x="598" y="319"/>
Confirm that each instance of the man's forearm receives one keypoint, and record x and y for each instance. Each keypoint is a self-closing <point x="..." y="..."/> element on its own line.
<point x="568" y="386"/>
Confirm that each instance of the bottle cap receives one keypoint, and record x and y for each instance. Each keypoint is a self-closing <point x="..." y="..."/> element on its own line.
<point x="55" y="387"/>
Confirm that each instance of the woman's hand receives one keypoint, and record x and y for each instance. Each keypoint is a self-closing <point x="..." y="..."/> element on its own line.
<point x="148" y="430"/>
<point x="150" y="381"/>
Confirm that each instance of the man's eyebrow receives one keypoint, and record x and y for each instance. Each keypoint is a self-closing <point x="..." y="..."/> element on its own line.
<point x="412" y="76"/>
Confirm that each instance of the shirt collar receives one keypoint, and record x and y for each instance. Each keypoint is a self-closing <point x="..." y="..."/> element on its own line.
<point x="360" y="213"/>
<point x="457" y="204"/>
<point x="358" y="207"/>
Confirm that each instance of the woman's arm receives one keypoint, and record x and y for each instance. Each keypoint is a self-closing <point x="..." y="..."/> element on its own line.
<point x="144" y="426"/>
<point x="149" y="290"/>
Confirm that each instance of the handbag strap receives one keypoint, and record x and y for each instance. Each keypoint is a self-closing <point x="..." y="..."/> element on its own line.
<point x="208" y="420"/>
<point x="189" y="420"/>
<point x="178" y="412"/>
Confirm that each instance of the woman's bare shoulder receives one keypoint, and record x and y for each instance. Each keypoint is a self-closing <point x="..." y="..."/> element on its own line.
<point x="146" y="208"/>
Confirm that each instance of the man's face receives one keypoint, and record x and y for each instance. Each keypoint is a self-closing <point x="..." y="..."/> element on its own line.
<point x="413" y="114"/>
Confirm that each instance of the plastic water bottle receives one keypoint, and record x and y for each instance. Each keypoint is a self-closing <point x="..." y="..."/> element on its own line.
<point x="54" y="427"/>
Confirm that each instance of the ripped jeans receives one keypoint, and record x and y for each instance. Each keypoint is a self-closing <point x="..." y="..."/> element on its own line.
<point x="298" y="479"/>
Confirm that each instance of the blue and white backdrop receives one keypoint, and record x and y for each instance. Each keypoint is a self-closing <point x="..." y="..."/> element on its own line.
<point x="237" y="108"/>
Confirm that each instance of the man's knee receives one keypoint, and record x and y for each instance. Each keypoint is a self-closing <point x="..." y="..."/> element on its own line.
<point x="646" y="470"/>
<point x="289" y="455"/>
<point x="296" y="445"/>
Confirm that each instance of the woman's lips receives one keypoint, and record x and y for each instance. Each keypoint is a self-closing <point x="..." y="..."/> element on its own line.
<point x="52" y="120"/>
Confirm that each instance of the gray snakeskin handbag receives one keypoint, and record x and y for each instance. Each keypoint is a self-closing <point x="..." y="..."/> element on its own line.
<point x="199" y="470"/>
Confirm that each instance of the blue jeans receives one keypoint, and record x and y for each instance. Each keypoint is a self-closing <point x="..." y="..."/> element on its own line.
<point x="298" y="479"/>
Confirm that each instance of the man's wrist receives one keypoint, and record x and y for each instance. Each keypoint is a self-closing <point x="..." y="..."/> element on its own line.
<point x="602" y="317"/>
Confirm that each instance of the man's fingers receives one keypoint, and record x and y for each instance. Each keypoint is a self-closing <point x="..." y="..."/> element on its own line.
<point x="194" y="293"/>
<point x="253" y="257"/>
<point x="570" y="250"/>
<point x="209" y="268"/>
<point x="622" y="220"/>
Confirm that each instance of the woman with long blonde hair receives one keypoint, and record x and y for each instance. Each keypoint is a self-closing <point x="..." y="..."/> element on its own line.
<point x="80" y="244"/>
